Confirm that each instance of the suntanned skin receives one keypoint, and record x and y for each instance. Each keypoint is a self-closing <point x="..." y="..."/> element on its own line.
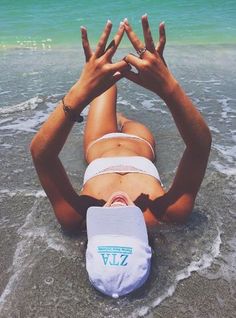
<point x="97" y="87"/>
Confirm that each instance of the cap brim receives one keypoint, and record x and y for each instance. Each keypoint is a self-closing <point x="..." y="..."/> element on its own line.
<point x="125" y="220"/>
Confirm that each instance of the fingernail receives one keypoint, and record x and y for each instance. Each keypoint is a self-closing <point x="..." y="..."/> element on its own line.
<point x="126" y="20"/>
<point x="121" y="23"/>
<point x="163" y="23"/>
<point x="145" y="15"/>
<point x="109" y="21"/>
<point x="82" y="27"/>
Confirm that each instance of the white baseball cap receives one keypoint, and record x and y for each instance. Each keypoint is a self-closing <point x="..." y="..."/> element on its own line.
<point x="118" y="256"/>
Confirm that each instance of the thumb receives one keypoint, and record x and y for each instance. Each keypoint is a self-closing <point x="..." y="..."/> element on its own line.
<point x="120" y="66"/>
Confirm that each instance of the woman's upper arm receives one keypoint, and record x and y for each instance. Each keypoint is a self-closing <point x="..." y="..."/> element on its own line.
<point x="177" y="204"/>
<point x="60" y="192"/>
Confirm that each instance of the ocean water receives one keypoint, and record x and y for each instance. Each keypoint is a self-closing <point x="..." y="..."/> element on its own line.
<point x="42" y="270"/>
<point x="47" y="23"/>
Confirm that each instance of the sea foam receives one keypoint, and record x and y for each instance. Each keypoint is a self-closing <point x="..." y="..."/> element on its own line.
<point x="24" y="258"/>
<point x="32" y="103"/>
<point x="30" y="123"/>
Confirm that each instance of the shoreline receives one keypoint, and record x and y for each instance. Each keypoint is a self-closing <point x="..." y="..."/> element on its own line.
<point x="78" y="46"/>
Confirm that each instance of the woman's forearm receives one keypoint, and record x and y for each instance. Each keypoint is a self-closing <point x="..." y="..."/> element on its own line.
<point x="189" y="121"/>
<point x="154" y="75"/>
<point x="51" y="137"/>
<point x="97" y="76"/>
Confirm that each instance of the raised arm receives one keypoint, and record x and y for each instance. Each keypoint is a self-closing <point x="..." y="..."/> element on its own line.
<point x="154" y="75"/>
<point x="98" y="75"/>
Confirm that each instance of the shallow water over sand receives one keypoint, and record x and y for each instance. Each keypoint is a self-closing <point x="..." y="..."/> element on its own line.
<point x="42" y="269"/>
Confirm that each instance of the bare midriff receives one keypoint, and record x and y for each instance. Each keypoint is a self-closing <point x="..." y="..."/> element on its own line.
<point x="117" y="147"/>
<point x="134" y="184"/>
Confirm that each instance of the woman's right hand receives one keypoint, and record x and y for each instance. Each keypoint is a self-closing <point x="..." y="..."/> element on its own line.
<point x="153" y="73"/>
<point x="99" y="72"/>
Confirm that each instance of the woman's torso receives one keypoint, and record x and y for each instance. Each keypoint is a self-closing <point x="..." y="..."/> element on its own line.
<point x="134" y="184"/>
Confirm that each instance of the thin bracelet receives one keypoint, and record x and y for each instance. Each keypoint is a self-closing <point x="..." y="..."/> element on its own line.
<point x="71" y="113"/>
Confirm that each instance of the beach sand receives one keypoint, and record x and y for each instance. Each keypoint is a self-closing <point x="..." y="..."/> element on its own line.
<point x="42" y="270"/>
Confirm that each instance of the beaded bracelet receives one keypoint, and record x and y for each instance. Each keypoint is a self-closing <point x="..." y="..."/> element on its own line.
<point x="71" y="113"/>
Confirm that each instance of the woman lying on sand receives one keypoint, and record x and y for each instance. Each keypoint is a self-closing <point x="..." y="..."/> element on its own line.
<point x="122" y="192"/>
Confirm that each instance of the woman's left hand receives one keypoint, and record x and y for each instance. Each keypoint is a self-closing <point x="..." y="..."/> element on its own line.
<point x="153" y="73"/>
<point x="99" y="72"/>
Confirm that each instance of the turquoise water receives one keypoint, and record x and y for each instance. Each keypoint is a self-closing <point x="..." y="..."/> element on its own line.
<point x="50" y="23"/>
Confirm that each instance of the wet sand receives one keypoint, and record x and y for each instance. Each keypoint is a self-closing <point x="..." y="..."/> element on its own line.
<point x="42" y="270"/>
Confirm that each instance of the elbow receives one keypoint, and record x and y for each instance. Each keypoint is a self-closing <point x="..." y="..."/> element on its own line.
<point x="180" y="211"/>
<point x="34" y="149"/>
<point x="42" y="149"/>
